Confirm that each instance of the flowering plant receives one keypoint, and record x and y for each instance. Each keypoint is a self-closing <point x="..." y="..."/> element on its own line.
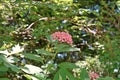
<point x="62" y="37"/>
<point x="93" y="75"/>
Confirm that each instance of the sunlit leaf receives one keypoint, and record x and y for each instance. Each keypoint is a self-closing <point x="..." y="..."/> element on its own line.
<point x="31" y="69"/>
<point x="70" y="49"/>
<point x="118" y="4"/>
<point x="16" y="49"/>
<point x="28" y="76"/>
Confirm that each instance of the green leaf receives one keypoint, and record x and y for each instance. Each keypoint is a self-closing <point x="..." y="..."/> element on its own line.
<point x="33" y="57"/>
<point x="70" y="76"/>
<point x="67" y="65"/>
<point x="4" y="79"/>
<point x="70" y="49"/>
<point x="2" y="73"/>
<point x="63" y="74"/>
<point x="40" y="76"/>
<point x="84" y="75"/>
<point x="61" y="46"/>
<point x="12" y="67"/>
<point x="43" y="52"/>
<point x="118" y="4"/>
<point x="9" y="65"/>
<point x="28" y="77"/>
<point x="65" y="48"/>
<point x="60" y="75"/>
<point x="3" y="68"/>
<point x="106" y="78"/>
<point x="56" y="77"/>
<point x="49" y="38"/>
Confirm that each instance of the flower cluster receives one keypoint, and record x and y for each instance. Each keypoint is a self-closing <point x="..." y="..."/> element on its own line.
<point x="62" y="37"/>
<point x="93" y="76"/>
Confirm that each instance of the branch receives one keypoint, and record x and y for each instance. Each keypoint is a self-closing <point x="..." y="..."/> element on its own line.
<point x="44" y="18"/>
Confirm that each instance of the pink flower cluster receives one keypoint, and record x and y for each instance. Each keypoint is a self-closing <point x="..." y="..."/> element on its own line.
<point x="62" y="37"/>
<point x="93" y="75"/>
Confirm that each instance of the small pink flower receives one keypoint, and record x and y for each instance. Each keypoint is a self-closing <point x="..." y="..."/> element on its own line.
<point x="62" y="37"/>
<point x="93" y="75"/>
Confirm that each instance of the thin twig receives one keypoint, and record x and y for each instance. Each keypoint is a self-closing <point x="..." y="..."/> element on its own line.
<point x="44" y="18"/>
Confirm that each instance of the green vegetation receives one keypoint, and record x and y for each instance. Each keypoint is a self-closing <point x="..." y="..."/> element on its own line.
<point x="59" y="40"/>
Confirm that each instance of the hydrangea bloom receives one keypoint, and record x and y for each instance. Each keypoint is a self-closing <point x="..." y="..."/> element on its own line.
<point x="62" y="37"/>
<point x="93" y="76"/>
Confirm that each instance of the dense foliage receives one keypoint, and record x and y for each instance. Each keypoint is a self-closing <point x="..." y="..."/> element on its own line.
<point x="59" y="40"/>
